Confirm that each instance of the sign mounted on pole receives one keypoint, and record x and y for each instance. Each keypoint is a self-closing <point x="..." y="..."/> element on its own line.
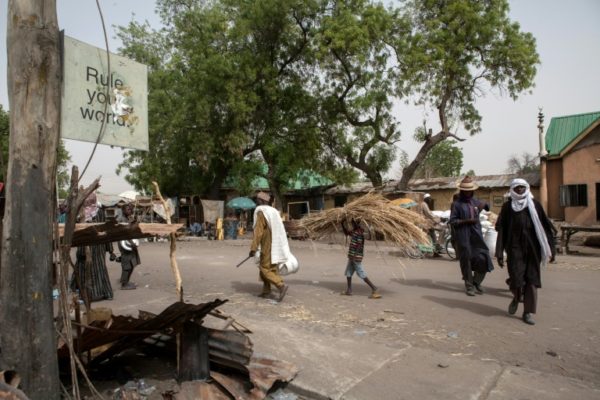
<point x="90" y="97"/>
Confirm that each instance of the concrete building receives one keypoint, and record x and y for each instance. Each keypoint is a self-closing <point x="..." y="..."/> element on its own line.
<point x="572" y="168"/>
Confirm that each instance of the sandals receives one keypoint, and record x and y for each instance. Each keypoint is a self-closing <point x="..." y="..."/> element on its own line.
<point x="375" y="295"/>
<point x="345" y="293"/>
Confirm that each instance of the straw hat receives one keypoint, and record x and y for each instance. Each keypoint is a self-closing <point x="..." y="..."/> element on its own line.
<point x="263" y="196"/>
<point x="467" y="184"/>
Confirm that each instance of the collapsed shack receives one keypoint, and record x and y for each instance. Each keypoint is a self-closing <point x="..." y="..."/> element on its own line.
<point x="213" y="363"/>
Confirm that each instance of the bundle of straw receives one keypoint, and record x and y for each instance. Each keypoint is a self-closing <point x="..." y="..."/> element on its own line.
<point x="397" y="225"/>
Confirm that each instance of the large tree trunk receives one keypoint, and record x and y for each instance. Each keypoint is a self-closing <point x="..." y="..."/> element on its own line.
<point x="27" y="337"/>
<point x="410" y="169"/>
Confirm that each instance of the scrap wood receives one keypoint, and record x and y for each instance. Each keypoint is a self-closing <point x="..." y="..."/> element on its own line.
<point x="231" y="321"/>
<point x="171" y="318"/>
<point x="399" y="226"/>
<point x="90" y="234"/>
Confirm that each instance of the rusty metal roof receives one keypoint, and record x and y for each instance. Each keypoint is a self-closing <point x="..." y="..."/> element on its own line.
<point x="484" y="181"/>
<point x="229" y="350"/>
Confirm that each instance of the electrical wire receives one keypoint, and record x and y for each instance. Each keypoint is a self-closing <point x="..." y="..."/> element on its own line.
<point x="108" y="85"/>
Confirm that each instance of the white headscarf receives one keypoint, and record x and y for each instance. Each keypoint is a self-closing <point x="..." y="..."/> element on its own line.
<point x="518" y="203"/>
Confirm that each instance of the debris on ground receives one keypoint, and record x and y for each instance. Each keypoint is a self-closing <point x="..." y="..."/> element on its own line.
<point x="232" y="370"/>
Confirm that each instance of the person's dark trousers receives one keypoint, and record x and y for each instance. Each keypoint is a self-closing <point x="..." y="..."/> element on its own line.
<point x="529" y="293"/>
<point x="431" y="233"/>
<point x="465" y="268"/>
<point x="125" y="275"/>
<point x="478" y="277"/>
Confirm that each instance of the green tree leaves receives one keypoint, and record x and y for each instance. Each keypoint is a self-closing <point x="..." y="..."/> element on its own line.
<point x="311" y="84"/>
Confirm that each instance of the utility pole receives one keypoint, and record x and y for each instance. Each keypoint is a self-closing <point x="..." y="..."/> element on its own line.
<point x="27" y="336"/>
<point x="543" y="156"/>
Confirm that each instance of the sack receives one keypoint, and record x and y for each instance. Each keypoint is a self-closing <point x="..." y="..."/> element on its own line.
<point x="289" y="267"/>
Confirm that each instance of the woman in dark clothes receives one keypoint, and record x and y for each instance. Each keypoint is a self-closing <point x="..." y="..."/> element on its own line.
<point x="98" y="286"/>
<point x="473" y="254"/>
<point x="525" y="234"/>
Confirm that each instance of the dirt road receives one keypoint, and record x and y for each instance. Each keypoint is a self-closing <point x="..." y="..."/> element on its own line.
<point x="423" y="302"/>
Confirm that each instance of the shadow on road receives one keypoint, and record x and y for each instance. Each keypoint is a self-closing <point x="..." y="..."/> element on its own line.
<point x="359" y="288"/>
<point x="450" y="286"/>
<point x="472" y="306"/>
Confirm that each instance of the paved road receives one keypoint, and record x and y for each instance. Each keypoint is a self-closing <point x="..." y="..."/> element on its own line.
<point x="424" y="339"/>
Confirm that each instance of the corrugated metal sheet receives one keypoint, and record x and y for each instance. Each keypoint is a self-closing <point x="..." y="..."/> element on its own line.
<point x="248" y="377"/>
<point x="564" y="130"/>
<point x="484" y="181"/>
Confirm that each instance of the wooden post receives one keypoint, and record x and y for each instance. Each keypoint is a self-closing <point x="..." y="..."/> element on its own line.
<point x="543" y="157"/>
<point x="173" y="249"/>
<point x="27" y="337"/>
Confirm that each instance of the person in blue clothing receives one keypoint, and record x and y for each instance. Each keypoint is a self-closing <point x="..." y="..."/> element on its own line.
<point x="355" y="256"/>
<point x="473" y="254"/>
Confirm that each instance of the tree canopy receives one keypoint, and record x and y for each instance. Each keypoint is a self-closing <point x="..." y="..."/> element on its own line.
<point x="311" y="85"/>
<point x="458" y="50"/>
<point x="63" y="156"/>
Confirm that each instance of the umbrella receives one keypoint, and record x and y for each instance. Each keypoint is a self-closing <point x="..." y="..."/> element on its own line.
<point x="241" y="203"/>
<point x="404" y="202"/>
<point x="129" y="194"/>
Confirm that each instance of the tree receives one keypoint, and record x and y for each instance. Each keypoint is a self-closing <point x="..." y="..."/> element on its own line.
<point x="26" y="272"/>
<point x="228" y="84"/>
<point x="353" y="58"/>
<point x="443" y="160"/>
<point x="458" y="50"/>
<point x="62" y="158"/>
<point x="524" y="164"/>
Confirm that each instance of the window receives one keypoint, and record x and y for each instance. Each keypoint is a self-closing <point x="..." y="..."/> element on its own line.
<point x="573" y="196"/>
<point x="339" y="201"/>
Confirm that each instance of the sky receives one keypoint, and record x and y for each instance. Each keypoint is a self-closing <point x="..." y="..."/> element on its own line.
<point x="567" y="81"/>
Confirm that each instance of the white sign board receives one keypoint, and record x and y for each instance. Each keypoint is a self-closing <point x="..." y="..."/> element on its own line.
<point x="85" y="103"/>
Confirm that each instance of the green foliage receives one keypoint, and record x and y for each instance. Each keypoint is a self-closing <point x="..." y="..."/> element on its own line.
<point x="229" y="80"/>
<point x="354" y="59"/>
<point x="63" y="157"/>
<point x="311" y="84"/>
<point x="445" y="159"/>
<point x="458" y="49"/>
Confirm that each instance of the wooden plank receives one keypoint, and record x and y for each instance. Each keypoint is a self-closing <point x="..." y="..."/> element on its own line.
<point x="90" y="234"/>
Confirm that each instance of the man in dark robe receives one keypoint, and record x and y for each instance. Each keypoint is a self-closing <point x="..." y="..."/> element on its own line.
<point x="473" y="254"/>
<point x="526" y="235"/>
<point x="130" y="257"/>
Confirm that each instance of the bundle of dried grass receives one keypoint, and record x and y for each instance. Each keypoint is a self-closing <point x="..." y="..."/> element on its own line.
<point x="397" y="225"/>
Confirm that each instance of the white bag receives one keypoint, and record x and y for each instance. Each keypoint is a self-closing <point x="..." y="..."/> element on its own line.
<point x="289" y="267"/>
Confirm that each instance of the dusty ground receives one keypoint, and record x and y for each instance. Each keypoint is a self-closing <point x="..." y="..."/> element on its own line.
<point x="423" y="302"/>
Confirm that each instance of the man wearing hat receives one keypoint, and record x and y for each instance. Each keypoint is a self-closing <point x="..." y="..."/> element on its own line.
<point x="271" y="238"/>
<point x="473" y="254"/>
